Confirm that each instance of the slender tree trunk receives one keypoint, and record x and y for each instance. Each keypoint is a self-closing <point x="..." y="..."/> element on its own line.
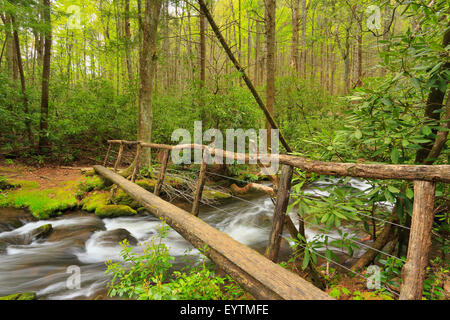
<point x="257" y="50"/>
<point x="22" y="82"/>
<point x="43" y="128"/>
<point x="304" y="17"/>
<point x="294" y="48"/>
<point x="202" y="60"/>
<point x="270" y="9"/>
<point x="11" y="56"/>
<point x="148" y="57"/>
<point x="128" y="40"/>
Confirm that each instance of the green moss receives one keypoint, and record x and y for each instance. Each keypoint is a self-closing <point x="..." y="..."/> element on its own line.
<point x="44" y="231"/>
<point x="121" y="197"/>
<point x="20" y="296"/>
<point x="215" y="195"/>
<point x="95" y="200"/>
<point x="91" y="183"/>
<point x="147" y="184"/>
<point x="42" y="204"/>
<point x="111" y="211"/>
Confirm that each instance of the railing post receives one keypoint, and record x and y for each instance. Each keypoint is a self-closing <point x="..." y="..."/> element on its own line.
<point x="119" y="157"/>
<point x="413" y="273"/>
<point x="105" y="162"/>
<point x="280" y="212"/>
<point x="137" y="162"/>
<point x="200" y="185"/>
<point x="162" y="172"/>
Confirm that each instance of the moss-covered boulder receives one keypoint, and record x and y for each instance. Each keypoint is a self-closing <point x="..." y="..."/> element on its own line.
<point x="20" y="296"/>
<point x="91" y="183"/>
<point x="112" y="238"/>
<point x="95" y="200"/>
<point x="112" y="211"/>
<point x="122" y="198"/>
<point x="42" y="232"/>
<point x="147" y="184"/>
<point x="42" y="203"/>
<point x="27" y="238"/>
<point x="209" y="194"/>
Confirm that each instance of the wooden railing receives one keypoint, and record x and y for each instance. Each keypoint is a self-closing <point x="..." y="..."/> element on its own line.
<point x="424" y="177"/>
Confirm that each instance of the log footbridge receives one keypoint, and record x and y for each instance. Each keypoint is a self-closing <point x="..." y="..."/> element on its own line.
<point x="258" y="274"/>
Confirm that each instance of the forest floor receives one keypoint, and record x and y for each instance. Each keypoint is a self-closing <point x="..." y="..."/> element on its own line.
<point x="46" y="176"/>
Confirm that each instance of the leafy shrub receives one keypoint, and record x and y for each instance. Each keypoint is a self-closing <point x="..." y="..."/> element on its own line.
<point x="146" y="276"/>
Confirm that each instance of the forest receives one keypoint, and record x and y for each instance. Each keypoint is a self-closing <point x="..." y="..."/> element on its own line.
<point x="356" y="90"/>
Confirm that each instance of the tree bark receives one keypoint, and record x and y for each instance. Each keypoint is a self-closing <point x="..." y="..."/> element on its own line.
<point x="294" y="47"/>
<point x="44" y="143"/>
<point x="279" y="215"/>
<point x="413" y="273"/>
<point x="270" y="10"/>
<point x="22" y="82"/>
<point x="128" y="40"/>
<point x="202" y="59"/>
<point x="148" y="56"/>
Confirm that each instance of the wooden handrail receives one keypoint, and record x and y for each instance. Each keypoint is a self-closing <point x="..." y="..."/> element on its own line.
<point x="433" y="173"/>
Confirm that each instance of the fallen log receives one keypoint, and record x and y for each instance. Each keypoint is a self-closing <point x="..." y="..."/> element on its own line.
<point x="259" y="276"/>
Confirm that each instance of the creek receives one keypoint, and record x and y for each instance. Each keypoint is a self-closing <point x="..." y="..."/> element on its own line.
<point x="83" y="240"/>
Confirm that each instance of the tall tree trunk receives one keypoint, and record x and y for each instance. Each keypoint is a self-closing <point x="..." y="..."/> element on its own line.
<point x="128" y="40"/>
<point x="149" y="25"/>
<point x="294" y="48"/>
<point x="11" y="56"/>
<point x="43" y="127"/>
<point x="270" y="10"/>
<point x="22" y="81"/>
<point x="257" y="50"/>
<point x="359" y="72"/>
<point x="304" y="17"/>
<point x="202" y="60"/>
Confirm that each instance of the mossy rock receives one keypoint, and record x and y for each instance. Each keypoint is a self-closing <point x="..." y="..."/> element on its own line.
<point x="147" y="184"/>
<point x="95" y="200"/>
<point x="209" y="194"/>
<point x="91" y="183"/>
<point x="112" y="211"/>
<point x="42" y="204"/>
<point x="42" y="231"/>
<point x="141" y="210"/>
<point x="123" y="198"/>
<point x="20" y="296"/>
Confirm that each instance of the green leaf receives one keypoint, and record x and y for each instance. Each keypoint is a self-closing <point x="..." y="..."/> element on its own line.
<point x="389" y="196"/>
<point x="395" y="155"/>
<point x="409" y="193"/>
<point x="387" y="102"/>
<point x="358" y="134"/>
<point x="415" y="83"/>
<point x="426" y="130"/>
<point x="305" y="260"/>
<point x="393" y="189"/>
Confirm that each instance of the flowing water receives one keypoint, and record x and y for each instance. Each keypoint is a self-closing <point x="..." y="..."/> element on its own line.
<point x="82" y="242"/>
